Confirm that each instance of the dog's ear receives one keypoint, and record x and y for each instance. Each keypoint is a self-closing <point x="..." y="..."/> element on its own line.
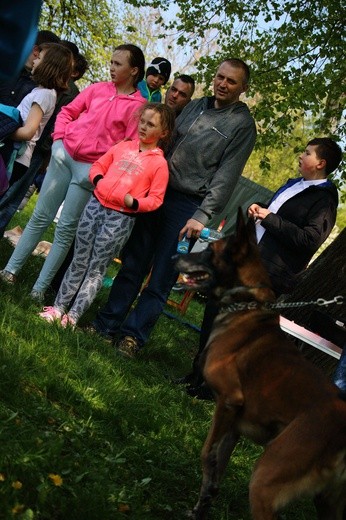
<point x="240" y="223"/>
<point x="251" y="231"/>
<point x="245" y="228"/>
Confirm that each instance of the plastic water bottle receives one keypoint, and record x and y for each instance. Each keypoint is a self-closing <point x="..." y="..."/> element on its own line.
<point x="183" y="245"/>
<point x="210" y="235"/>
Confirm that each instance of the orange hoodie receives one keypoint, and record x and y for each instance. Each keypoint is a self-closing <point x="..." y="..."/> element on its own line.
<point x="124" y="169"/>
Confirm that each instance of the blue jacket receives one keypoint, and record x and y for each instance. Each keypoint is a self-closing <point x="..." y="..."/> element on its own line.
<point x="152" y="96"/>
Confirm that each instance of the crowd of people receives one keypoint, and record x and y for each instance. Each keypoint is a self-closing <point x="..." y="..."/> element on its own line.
<point x="137" y="168"/>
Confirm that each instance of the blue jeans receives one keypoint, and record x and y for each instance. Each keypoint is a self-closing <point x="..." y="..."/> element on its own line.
<point x="66" y="180"/>
<point x="153" y="242"/>
<point x="340" y="373"/>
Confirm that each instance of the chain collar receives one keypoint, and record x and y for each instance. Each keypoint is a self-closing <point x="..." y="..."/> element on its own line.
<point x="242" y="306"/>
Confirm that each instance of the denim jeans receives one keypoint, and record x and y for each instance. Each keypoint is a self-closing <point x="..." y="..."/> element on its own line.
<point x="66" y="180"/>
<point x="340" y="372"/>
<point x="153" y="242"/>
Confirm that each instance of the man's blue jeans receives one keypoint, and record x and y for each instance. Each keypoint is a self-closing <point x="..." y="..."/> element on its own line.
<point x="153" y="242"/>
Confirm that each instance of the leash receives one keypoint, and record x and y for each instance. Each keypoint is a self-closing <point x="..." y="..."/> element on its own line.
<point x="242" y="306"/>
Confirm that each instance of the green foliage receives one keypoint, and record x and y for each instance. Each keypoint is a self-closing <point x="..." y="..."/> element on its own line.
<point x="97" y="27"/>
<point x="296" y="53"/>
<point x="91" y="25"/>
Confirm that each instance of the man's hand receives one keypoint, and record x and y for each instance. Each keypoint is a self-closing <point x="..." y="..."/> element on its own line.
<point x="192" y="229"/>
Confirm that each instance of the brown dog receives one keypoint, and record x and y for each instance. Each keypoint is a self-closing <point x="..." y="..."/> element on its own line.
<point x="264" y="389"/>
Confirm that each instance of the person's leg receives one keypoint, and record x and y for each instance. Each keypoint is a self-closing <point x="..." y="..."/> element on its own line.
<point x="110" y="235"/>
<point x="10" y="201"/>
<point x="18" y="172"/>
<point x="176" y="210"/>
<point x="84" y="243"/>
<point x="77" y="195"/>
<point x="195" y="378"/>
<point x="59" y="276"/>
<point x="340" y="373"/>
<point x="136" y="260"/>
<point x="52" y="194"/>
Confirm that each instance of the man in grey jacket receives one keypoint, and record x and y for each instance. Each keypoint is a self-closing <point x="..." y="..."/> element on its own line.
<point x="213" y="140"/>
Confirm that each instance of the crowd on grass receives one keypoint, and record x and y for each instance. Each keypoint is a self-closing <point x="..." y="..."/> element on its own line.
<point x="133" y="164"/>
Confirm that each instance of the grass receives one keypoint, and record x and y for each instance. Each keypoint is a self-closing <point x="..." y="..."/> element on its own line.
<point x="88" y="435"/>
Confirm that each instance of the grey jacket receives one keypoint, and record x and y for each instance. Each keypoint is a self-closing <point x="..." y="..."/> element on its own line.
<point x="209" y="153"/>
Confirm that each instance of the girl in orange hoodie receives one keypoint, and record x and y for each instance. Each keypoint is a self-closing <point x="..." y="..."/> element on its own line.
<point x="131" y="177"/>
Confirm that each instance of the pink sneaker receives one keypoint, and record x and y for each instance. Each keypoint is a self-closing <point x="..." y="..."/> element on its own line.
<point x="50" y="314"/>
<point x="67" y="321"/>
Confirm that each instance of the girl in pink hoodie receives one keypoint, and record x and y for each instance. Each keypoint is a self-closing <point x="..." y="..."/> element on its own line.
<point x="100" y="116"/>
<point x="131" y="177"/>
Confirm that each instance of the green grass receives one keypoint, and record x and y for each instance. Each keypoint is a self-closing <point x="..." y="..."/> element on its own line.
<point x="88" y="435"/>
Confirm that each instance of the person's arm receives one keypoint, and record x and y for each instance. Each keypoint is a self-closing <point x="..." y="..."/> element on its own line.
<point x="30" y="127"/>
<point x="224" y="180"/>
<point x="318" y="224"/>
<point x="70" y="113"/>
<point x="100" y="167"/>
<point x="154" y="198"/>
<point x="226" y="176"/>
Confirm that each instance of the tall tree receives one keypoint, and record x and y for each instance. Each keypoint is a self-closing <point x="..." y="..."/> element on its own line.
<point x="295" y="48"/>
<point x="97" y="26"/>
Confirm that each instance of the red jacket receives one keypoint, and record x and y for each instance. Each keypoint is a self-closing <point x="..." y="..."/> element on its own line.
<point x="124" y="169"/>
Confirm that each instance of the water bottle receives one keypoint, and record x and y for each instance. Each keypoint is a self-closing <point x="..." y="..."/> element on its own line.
<point x="183" y="245"/>
<point x="210" y="235"/>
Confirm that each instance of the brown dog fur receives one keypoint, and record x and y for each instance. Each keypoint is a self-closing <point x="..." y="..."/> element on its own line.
<point x="265" y="390"/>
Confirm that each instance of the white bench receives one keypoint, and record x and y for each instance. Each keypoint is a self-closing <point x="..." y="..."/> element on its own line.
<point x="310" y="338"/>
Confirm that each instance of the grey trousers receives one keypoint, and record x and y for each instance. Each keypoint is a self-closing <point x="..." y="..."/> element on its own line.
<point x="101" y="234"/>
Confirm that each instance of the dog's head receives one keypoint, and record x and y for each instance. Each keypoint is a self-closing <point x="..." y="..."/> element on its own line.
<point x="233" y="261"/>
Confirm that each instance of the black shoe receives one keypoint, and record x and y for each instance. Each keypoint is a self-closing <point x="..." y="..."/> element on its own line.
<point x="189" y="380"/>
<point x="91" y="329"/>
<point x="202" y="392"/>
<point x="128" y="346"/>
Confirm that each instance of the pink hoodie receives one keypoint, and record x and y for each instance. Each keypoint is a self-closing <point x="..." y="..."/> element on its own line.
<point x="124" y="169"/>
<point x="97" y="119"/>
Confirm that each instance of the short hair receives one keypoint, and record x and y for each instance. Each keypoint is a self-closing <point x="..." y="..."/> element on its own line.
<point x="46" y="37"/>
<point x="329" y="150"/>
<point x="167" y="117"/>
<point x="239" y="64"/>
<point x="56" y="67"/>
<point x="187" y="79"/>
<point x="136" y="59"/>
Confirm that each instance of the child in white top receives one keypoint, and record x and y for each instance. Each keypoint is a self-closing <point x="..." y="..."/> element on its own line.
<point x="51" y="71"/>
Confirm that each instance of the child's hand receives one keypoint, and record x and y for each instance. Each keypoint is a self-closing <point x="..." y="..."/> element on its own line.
<point x="252" y="210"/>
<point x="257" y="212"/>
<point x="128" y="200"/>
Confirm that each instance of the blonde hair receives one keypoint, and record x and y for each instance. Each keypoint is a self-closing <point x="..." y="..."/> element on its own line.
<point x="55" y="69"/>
